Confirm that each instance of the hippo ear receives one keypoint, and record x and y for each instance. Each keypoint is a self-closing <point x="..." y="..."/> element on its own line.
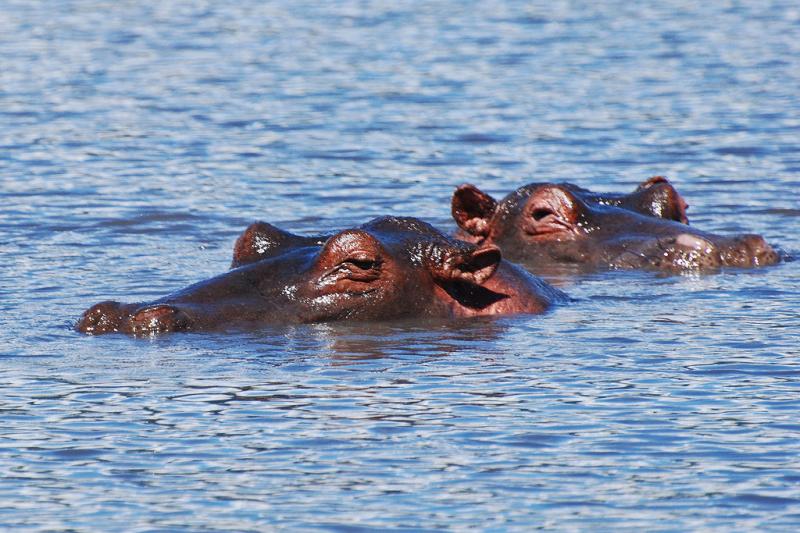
<point x="649" y="182"/>
<point x="473" y="209"/>
<point x="656" y="196"/>
<point x="481" y="265"/>
<point x="473" y="266"/>
<point x="261" y="240"/>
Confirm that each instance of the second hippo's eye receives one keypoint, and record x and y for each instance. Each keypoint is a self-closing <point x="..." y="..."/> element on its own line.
<point x="362" y="264"/>
<point x="539" y="214"/>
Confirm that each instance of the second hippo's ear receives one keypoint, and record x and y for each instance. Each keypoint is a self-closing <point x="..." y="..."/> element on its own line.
<point x="473" y="209"/>
<point x="656" y="196"/>
<point x="261" y="240"/>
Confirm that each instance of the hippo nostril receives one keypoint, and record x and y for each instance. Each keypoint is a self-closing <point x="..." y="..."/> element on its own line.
<point x="158" y="319"/>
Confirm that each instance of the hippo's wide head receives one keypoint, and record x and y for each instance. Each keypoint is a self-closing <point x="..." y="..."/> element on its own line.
<point x="547" y="224"/>
<point x="388" y="268"/>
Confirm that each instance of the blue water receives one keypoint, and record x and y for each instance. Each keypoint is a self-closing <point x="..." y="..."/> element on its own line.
<point x="137" y="139"/>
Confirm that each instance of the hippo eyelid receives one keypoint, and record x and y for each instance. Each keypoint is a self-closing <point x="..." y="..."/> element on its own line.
<point x="362" y="260"/>
<point x="364" y="268"/>
<point x="363" y="264"/>
<point x="357" y="267"/>
<point x="540" y="213"/>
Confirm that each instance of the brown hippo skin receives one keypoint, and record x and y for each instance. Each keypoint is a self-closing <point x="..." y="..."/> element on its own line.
<point x="655" y="197"/>
<point x="386" y="269"/>
<point x="547" y="225"/>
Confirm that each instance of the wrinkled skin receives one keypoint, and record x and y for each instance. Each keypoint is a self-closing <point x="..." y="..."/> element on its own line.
<point x="544" y="225"/>
<point x="388" y="268"/>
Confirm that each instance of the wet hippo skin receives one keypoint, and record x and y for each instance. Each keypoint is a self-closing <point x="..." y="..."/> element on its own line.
<point x="386" y="269"/>
<point x="543" y="225"/>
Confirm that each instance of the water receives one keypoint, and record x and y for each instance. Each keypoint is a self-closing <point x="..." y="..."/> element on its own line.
<point x="137" y="139"/>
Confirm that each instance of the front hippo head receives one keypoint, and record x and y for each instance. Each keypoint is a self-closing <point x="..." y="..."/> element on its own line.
<point x="402" y="267"/>
<point x="545" y="225"/>
<point x="392" y="268"/>
<point x="388" y="268"/>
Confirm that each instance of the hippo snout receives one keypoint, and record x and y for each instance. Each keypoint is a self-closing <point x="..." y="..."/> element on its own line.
<point x="749" y="250"/>
<point x="688" y="241"/>
<point x="689" y="251"/>
<point x="114" y="317"/>
<point x="158" y="319"/>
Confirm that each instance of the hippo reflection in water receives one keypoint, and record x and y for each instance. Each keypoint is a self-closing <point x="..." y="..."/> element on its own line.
<point x="543" y="225"/>
<point x="388" y="268"/>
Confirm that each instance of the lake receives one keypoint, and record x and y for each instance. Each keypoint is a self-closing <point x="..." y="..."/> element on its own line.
<point x="138" y="139"/>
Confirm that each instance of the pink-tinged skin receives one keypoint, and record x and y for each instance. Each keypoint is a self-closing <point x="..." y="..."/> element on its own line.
<point x="389" y="268"/>
<point x="547" y="225"/>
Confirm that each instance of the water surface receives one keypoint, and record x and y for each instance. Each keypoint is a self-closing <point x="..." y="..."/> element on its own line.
<point x="137" y="139"/>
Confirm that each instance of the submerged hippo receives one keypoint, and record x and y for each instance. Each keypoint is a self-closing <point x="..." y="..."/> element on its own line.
<point x="388" y="268"/>
<point x="544" y="225"/>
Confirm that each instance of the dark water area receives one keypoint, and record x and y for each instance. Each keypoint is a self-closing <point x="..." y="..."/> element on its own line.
<point x="138" y="139"/>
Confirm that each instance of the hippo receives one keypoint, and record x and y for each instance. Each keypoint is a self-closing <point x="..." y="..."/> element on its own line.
<point x="388" y="268"/>
<point x="547" y="226"/>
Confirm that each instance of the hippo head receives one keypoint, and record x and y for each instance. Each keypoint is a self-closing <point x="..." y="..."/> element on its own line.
<point x="654" y="197"/>
<point x="473" y="209"/>
<point x="388" y="268"/>
<point x="548" y="224"/>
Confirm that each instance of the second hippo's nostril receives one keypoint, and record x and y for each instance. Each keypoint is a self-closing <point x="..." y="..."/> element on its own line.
<point x="158" y="319"/>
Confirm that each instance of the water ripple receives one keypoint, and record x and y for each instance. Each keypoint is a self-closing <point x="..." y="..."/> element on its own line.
<point x="138" y="139"/>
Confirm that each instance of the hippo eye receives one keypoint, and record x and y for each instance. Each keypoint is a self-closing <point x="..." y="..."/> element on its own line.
<point x="362" y="264"/>
<point x="340" y="267"/>
<point x="360" y="268"/>
<point x="539" y="214"/>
